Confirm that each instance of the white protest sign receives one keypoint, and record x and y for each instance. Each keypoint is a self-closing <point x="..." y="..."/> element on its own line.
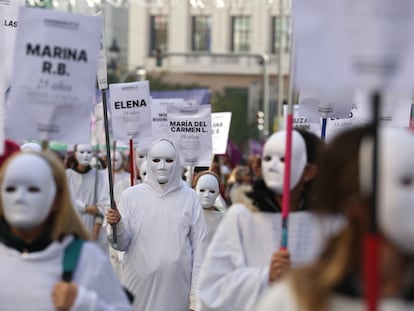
<point x="335" y="126"/>
<point x="159" y="114"/>
<point x="9" y="12"/>
<point x="368" y="44"/>
<point x="190" y="128"/>
<point x="220" y="123"/>
<point x="130" y="110"/>
<point x="101" y="73"/>
<point x="53" y="76"/>
<point x="302" y="121"/>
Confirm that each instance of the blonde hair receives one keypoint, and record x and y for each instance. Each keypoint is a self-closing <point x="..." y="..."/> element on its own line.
<point x="65" y="220"/>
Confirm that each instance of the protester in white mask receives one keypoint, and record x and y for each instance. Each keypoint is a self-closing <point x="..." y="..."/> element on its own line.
<point x="335" y="280"/>
<point x="37" y="223"/>
<point x="163" y="233"/>
<point x="89" y="188"/>
<point x="207" y="186"/>
<point x="243" y="258"/>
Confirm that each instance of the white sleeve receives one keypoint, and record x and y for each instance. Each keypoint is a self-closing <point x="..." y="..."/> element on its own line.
<point x="103" y="200"/>
<point x="98" y="287"/>
<point x="279" y="297"/>
<point x="123" y="228"/>
<point x="226" y="281"/>
<point x="199" y="240"/>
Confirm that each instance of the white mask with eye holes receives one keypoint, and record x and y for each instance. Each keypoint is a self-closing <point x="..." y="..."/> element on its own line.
<point x="117" y="161"/>
<point x="273" y="160"/>
<point x="83" y="154"/>
<point x="207" y="189"/>
<point x="27" y="192"/>
<point x="143" y="170"/>
<point x="140" y="156"/>
<point x="162" y="161"/>
<point x="396" y="184"/>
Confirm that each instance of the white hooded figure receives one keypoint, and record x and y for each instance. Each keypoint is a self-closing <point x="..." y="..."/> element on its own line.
<point x="89" y="188"/>
<point x="208" y="190"/>
<point x="242" y="259"/>
<point x="117" y="163"/>
<point x="161" y="228"/>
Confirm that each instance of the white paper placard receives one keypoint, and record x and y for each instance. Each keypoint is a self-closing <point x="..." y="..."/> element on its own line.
<point x="9" y="12"/>
<point x="54" y="76"/>
<point x="367" y="44"/>
<point x="190" y="128"/>
<point x="101" y="73"/>
<point x="159" y="114"/>
<point x="220" y="123"/>
<point x="130" y="110"/>
<point x="301" y="122"/>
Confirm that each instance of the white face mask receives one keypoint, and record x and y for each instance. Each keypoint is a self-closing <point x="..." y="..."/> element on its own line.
<point x="396" y="185"/>
<point x="207" y="189"/>
<point x="273" y="160"/>
<point x="140" y="157"/>
<point x="83" y="154"/>
<point x="117" y="161"/>
<point x="28" y="191"/>
<point x="143" y="170"/>
<point x="162" y="161"/>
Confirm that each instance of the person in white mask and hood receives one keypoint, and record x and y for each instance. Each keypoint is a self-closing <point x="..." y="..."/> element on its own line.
<point x="37" y="224"/>
<point x="207" y="186"/>
<point x="243" y="258"/>
<point x="335" y="280"/>
<point x="162" y="230"/>
<point x="89" y="188"/>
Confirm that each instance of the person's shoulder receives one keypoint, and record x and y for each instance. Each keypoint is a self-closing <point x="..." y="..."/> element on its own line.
<point x="132" y="191"/>
<point x="92" y="253"/>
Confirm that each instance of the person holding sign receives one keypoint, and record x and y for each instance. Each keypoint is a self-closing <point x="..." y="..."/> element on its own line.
<point x="207" y="186"/>
<point x="334" y="281"/>
<point x="161" y="227"/>
<point x="38" y="227"/>
<point x="90" y="190"/>
<point x="242" y="259"/>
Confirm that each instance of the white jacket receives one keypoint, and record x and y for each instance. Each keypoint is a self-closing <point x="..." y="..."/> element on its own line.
<point x="28" y="279"/>
<point x="235" y="271"/>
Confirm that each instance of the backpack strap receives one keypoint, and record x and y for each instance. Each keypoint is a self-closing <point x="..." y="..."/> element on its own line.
<point x="71" y="258"/>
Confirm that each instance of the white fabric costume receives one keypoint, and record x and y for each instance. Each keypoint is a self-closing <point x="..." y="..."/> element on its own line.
<point x="82" y="186"/>
<point x="236" y="268"/>
<point x="31" y="277"/>
<point x="164" y="235"/>
<point x="281" y="298"/>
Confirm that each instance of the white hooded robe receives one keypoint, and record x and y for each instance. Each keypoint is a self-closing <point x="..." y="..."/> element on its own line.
<point x="164" y="235"/>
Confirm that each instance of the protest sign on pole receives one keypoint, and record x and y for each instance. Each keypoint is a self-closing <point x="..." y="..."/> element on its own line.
<point x="190" y="128"/>
<point x="130" y="110"/>
<point x="159" y="114"/>
<point x="101" y="73"/>
<point x="54" y="76"/>
<point x="220" y="124"/>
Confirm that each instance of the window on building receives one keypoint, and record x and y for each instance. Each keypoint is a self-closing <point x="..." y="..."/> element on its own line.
<point x="159" y="34"/>
<point x="278" y="38"/>
<point x="240" y="34"/>
<point x="201" y="33"/>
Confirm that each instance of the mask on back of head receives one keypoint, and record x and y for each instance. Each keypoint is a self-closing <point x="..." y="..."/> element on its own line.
<point x="396" y="184"/>
<point x="273" y="160"/>
<point x="28" y="191"/>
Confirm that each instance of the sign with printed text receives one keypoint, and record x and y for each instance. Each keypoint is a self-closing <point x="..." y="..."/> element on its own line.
<point x="190" y="128"/>
<point x="302" y="121"/>
<point x="159" y="114"/>
<point x="368" y="44"/>
<point x="54" y="76"/>
<point x="220" y="123"/>
<point x="130" y="110"/>
<point x="101" y="73"/>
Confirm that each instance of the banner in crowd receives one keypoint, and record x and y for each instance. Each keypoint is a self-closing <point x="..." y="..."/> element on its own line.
<point x="130" y="110"/>
<point x="220" y="122"/>
<point x="190" y="128"/>
<point x="54" y="76"/>
<point x="367" y="45"/>
<point x="159" y="114"/>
